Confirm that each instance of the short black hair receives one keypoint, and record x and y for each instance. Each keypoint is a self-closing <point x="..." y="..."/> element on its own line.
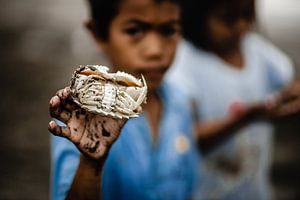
<point x="102" y="12"/>
<point x="195" y="14"/>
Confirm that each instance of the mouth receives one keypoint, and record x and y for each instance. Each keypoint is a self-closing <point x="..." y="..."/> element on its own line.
<point x="154" y="73"/>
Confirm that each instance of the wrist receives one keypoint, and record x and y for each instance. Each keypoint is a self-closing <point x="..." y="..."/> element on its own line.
<point x="92" y="164"/>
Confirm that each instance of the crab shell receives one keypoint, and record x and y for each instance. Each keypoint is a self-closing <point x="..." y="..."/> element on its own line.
<point x="118" y="95"/>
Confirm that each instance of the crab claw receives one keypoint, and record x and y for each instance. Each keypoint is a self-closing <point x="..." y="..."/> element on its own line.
<point x="138" y="93"/>
<point x="127" y="79"/>
<point x="97" y="70"/>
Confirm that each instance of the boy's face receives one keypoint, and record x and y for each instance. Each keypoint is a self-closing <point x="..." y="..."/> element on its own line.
<point x="226" y="36"/>
<point x="143" y="37"/>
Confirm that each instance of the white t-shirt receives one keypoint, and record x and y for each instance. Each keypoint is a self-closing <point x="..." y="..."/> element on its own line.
<point x="237" y="169"/>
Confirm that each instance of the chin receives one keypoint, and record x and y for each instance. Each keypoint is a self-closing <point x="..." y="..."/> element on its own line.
<point x="153" y="86"/>
<point x="153" y="82"/>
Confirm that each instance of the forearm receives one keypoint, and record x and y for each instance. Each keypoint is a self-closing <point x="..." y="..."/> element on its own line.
<point x="211" y="134"/>
<point x="87" y="181"/>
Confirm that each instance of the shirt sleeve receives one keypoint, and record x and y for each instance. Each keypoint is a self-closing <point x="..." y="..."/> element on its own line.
<point x="64" y="162"/>
<point x="280" y="69"/>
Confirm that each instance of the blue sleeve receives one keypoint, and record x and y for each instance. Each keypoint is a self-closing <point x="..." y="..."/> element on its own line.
<point x="64" y="162"/>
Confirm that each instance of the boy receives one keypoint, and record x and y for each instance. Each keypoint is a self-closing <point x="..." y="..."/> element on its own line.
<point x="154" y="157"/>
<point x="230" y="72"/>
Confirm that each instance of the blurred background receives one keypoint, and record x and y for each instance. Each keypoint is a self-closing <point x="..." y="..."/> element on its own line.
<point x="42" y="42"/>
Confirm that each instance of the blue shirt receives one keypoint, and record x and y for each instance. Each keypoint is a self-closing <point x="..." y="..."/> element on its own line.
<point x="137" y="167"/>
<point x="217" y="87"/>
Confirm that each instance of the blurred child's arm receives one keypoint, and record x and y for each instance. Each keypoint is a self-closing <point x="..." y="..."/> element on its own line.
<point x="213" y="133"/>
<point x="92" y="134"/>
<point x="87" y="181"/>
<point x="284" y="105"/>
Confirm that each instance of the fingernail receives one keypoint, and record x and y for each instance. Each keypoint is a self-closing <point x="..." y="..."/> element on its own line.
<point x="51" y="124"/>
<point x="54" y="100"/>
<point x="66" y="92"/>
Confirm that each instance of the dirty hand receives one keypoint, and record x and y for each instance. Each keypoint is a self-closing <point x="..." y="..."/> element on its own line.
<point x="93" y="134"/>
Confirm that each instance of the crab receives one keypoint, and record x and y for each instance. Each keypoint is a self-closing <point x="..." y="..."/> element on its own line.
<point x="118" y="95"/>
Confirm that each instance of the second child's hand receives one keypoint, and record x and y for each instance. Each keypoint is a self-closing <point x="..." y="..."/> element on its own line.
<point x="285" y="104"/>
<point x="93" y="134"/>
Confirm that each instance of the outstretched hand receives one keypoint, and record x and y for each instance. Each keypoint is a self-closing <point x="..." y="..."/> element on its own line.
<point x="288" y="102"/>
<point x="93" y="134"/>
<point x="282" y="105"/>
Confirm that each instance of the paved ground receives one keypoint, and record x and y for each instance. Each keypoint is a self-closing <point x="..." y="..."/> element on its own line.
<point x="38" y="53"/>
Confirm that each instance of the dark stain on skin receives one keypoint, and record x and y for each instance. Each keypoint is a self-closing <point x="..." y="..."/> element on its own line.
<point x="105" y="132"/>
<point x="83" y="112"/>
<point x="77" y="113"/>
<point x="87" y="119"/>
<point x="95" y="136"/>
<point x="90" y="135"/>
<point x="56" y="112"/>
<point x="93" y="149"/>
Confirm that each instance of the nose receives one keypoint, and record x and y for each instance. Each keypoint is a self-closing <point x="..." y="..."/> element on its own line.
<point x="152" y="47"/>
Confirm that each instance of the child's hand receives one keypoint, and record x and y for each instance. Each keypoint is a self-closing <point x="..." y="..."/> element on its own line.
<point x="287" y="102"/>
<point x="93" y="134"/>
<point x="284" y="104"/>
<point x="248" y="112"/>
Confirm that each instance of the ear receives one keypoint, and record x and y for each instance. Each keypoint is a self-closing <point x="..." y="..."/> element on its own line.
<point x="90" y="26"/>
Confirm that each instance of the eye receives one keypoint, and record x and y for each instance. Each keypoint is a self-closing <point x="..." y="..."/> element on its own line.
<point x="134" y="31"/>
<point x="168" y="30"/>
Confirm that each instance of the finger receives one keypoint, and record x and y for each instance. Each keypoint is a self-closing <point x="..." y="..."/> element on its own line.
<point x="64" y="116"/>
<point x="64" y="93"/>
<point x="64" y="96"/>
<point x="59" y="93"/>
<point x="54" y="106"/>
<point x="59" y="130"/>
<point x="69" y="105"/>
<point x="54" y="101"/>
<point x="290" y="108"/>
<point x="59" y="110"/>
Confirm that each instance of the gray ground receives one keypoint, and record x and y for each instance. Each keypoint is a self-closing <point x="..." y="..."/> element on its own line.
<point x="41" y="42"/>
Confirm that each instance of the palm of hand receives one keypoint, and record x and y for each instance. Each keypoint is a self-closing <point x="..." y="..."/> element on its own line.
<point x="93" y="134"/>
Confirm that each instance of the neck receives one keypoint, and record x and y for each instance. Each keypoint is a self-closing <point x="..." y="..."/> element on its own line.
<point x="153" y="109"/>
<point x="232" y="52"/>
<point x="234" y="58"/>
<point x="153" y="100"/>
